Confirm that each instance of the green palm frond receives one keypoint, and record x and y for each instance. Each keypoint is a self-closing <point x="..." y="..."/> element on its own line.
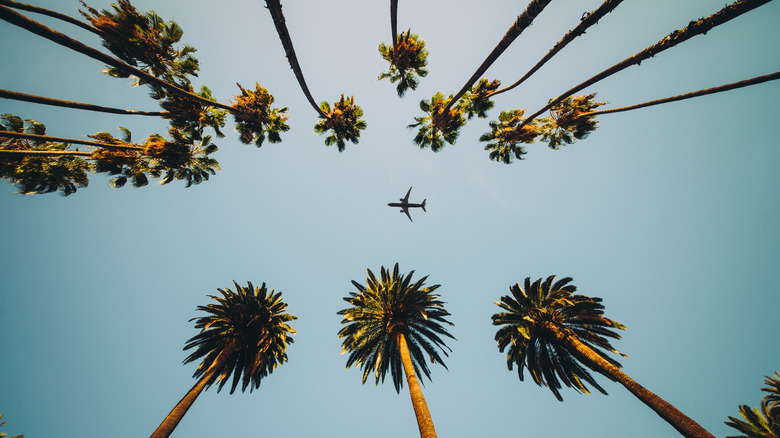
<point x="476" y="102"/>
<point x="526" y="334"/>
<point x="4" y="434"/>
<point x="144" y="40"/>
<point x="763" y="422"/>
<point x="255" y="119"/>
<point x="343" y="122"/>
<point x="436" y="126"/>
<point x="382" y="309"/>
<point x="505" y="140"/>
<point x="566" y="124"/>
<point x="37" y="174"/>
<point x="251" y="326"/>
<point x="407" y="63"/>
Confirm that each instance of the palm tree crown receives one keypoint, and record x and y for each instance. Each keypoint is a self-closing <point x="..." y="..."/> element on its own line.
<point x="250" y="326"/>
<point x="536" y="317"/>
<point x="763" y="422"/>
<point x="383" y="309"/>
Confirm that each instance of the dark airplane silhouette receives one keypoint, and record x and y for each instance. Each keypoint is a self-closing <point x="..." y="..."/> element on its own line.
<point x="405" y="205"/>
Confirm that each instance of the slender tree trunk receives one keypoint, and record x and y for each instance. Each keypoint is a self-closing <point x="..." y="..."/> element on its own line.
<point x="37" y="28"/>
<point x="50" y="13"/>
<point x="8" y="94"/>
<point x="731" y="86"/>
<point x="394" y="24"/>
<point x="694" y="28"/>
<point x="586" y="22"/>
<point x="177" y="413"/>
<point x="523" y="21"/>
<point x="45" y="153"/>
<point x="99" y="144"/>
<point x="684" y="424"/>
<point x="424" y="420"/>
<point x="275" y="8"/>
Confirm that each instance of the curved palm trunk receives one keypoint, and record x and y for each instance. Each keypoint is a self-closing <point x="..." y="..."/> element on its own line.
<point x="15" y="95"/>
<point x="177" y="413"/>
<point x="50" y="13"/>
<point x="684" y="424"/>
<point x="275" y="8"/>
<point x="523" y="21"/>
<point x="24" y="135"/>
<point x="731" y="86"/>
<point x="424" y="420"/>
<point x="694" y="28"/>
<point x="586" y="22"/>
<point x="37" y="28"/>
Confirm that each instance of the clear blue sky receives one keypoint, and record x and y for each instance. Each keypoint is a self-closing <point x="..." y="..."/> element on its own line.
<point x="670" y="214"/>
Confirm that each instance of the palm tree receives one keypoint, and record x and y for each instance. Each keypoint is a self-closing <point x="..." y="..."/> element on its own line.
<point x="559" y="335"/>
<point x="24" y="97"/>
<point x="443" y="123"/>
<point x="394" y="324"/>
<point x="407" y="56"/>
<point x="763" y="422"/>
<point x="244" y="334"/>
<point x="146" y="41"/>
<point x="505" y="142"/>
<point x="38" y="163"/>
<point x="697" y="27"/>
<point x="344" y="119"/>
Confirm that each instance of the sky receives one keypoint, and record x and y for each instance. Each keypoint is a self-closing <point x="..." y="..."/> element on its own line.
<point x="668" y="213"/>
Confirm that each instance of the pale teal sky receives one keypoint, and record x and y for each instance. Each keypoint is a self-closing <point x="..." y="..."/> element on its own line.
<point x="668" y="213"/>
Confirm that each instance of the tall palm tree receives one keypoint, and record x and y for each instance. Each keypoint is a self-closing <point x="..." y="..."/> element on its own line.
<point x="559" y="335"/>
<point x="244" y="334"/>
<point x="763" y="422"/>
<point x="393" y="325"/>
<point x="407" y="56"/>
<point x="697" y="27"/>
<point x="443" y="122"/>
<point x="344" y="118"/>
<point x="146" y="41"/>
<point x="38" y="163"/>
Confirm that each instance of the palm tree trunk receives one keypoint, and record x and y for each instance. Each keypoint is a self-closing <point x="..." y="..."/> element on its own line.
<point x="36" y="137"/>
<point x="394" y="24"/>
<point x="275" y="8"/>
<point x="50" y="13"/>
<point x="28" y="153"/>
<point x="731" y="86"/>
<point x="8" y="94"/>
<point x="684" y="424"/>
<point x="177" y="413"/>
<point x="523" y="21"/>
<point x="694" y="28"/>
<point x="424" y="420"/>
<point x="37" y="28"/>
<point x="586" y="22"/>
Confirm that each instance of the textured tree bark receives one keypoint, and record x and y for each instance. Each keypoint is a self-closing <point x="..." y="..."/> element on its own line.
<point x="424" y="420"/>
<point x="37" y="28"/>
<point x="698" y="27"/>
<point x="523" y="21"/>
<point x="275" y="8"/>
<point x="177" y="413"/>
<point x="684" y="424"/>
<point x="15" y="95"/>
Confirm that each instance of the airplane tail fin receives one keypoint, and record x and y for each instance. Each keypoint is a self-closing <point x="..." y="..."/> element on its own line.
<point x="423" y="206"/>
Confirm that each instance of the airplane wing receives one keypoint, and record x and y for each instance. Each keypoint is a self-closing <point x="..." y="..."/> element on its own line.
<point x="406" y="198"/>
<point x="406" y="210"/>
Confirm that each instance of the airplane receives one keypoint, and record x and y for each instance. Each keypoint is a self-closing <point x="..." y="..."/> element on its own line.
<point x="405" y="205"/>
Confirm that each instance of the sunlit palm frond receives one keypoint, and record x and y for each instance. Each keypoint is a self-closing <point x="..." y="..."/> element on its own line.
<point x="530" y="343"/>
<point x="385" y="307"/>
<point x="251" y="325"/>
